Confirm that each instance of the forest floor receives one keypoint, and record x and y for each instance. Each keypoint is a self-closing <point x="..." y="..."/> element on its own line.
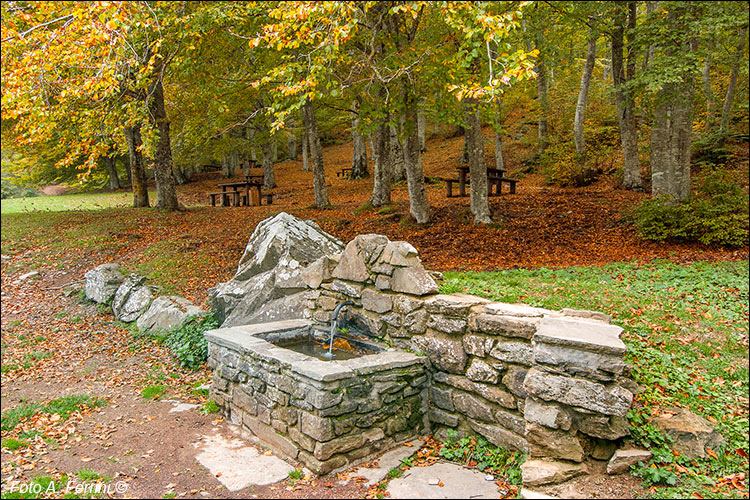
<point x="55" y="346"/>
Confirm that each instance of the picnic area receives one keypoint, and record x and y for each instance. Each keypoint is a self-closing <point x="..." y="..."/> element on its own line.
<point x="375" y="250"/>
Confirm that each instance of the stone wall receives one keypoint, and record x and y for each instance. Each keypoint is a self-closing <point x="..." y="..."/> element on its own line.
<point x="550" y="383"/>
<point x="327" y="415"/>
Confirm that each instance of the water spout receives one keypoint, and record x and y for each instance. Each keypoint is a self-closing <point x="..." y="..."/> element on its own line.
<point x="334" y="318"/>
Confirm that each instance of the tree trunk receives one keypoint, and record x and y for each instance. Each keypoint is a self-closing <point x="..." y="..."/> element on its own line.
<point x="291" y="142"/>
<point x="396" y="154"/>
<point x="140" y="188"/>
<point x="708" y="92"/>
<point x="623" y="70"/>
<point x="672" y="130"/>
<point x="226" y="166"/>
<point x="166" y="194"/>
<point x="726" y="113"/>
<point x="305" y="148"/>
<point x="543" y="102"/>
<point x="381" y="186"/>
<point x="269" y="180"/>
<point x="649" y="55"/>
<point x="607" y="63"/>
<point x="583" y="95"/>
<point x="422" y="127"/>
<point x="419" y="208"/>
<point x="114" y="181"/>
<point x="480" y="205"/>
<point x="180" y="177"/>
<point x="316" y="156"/>
<point x="359" y="156"/>
<point x="499" y="163"/>
<point x="130" y="172"/>
<point x="464" y="158"/>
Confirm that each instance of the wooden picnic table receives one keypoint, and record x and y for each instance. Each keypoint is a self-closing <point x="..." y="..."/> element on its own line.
<point x="235" y="189"/>
<point x="495" y="177"/>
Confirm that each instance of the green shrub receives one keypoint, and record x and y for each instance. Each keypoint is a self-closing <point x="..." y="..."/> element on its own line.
<point x="716" y="214"/>
<point x="187" y="342"/>
<point x="658" y="219"/>
<point x="709" y="149"/>
<point x="10" y="190"/>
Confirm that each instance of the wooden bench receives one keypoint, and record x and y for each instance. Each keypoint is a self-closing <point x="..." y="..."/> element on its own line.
<point x="449" y="187"/>
<point x="497" y="182"/>
<point x="492" y="182"/>
<point x="224" y="198"/>
<point x="344" y="172"/>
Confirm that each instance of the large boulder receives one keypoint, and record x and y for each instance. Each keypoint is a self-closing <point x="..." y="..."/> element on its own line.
<point x="132" y="298"/>
<point x="691" y="433"/>
<point x="102" y="282"/>
<point x="167" y="312"/>
<point x="271" y="271"/>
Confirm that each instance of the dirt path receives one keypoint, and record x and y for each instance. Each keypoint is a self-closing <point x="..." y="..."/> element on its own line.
<point x="140" y="446"/>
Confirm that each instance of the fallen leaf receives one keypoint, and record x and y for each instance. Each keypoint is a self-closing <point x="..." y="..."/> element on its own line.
<point x="711" y="453"/>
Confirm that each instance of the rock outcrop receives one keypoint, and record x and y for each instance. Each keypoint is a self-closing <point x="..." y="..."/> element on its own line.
<point x="167" y="312"/>
<point x="691" y="434"/>
<point x="102" y="282"/>
<point x="271" y="271"/>
<point x="132" y="298"/>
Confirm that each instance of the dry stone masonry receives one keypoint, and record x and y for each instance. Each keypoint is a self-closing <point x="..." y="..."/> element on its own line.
<point x="550" y="383"/>
<point x="326" y="414"/>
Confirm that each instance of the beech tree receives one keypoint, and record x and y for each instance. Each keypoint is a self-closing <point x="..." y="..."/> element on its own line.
<point x="395" y="51"/>
<point x="88" y="64"/>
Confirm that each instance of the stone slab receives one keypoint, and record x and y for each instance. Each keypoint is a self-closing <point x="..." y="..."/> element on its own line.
<point x="623" y="459"/>
<point x="182" y="407"/>
<point x="458" y="482"/>
<point x="541" y="472"/>
<point x="520" y="310"/>
<point x="237" y="465"/>
<point x="244" y="338"/>
<point x="387" y="461"/>
<point x="589" y="335"/>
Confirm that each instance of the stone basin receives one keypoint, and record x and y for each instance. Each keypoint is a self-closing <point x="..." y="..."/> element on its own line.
<point x="326" y="414"/>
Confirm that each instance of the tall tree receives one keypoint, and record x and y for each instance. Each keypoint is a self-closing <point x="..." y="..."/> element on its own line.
<point x="623" y="72"/>
<point x="480" y="205"/>
<point x="583" y="94"/>
<point x="316" y="156"/>
<point x="673" y="111"/>
<point x="137" y="168"/>
<point x="85" y="64"/>
<point x="726" y="111"/>
<point x="359" y="154"/>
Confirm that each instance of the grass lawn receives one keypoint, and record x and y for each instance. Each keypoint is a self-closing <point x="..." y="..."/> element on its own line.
<point x="85" y="201"/>
<point x="686" y="325"/>
<point x="686" y="328"/>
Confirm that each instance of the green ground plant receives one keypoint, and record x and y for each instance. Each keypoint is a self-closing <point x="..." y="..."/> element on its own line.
<point x="188" y="343"/>
<point x="62" y="406"/>
<point x="67" y="202"/>
<point x="488" y="457"/>
<point x="153" y="391"/>
<point x="686" y="329"/>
